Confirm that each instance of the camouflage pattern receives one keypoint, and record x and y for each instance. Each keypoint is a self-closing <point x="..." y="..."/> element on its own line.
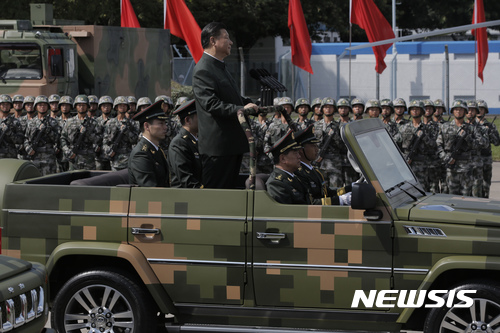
<point x="316" y="101"/>
<point x="165" y="99"/>
<point x="399" y="119"/>
<point x="275" y="131"/>
<point x="54" y="98"/>
<point x="12" y="137"/>
<point x="482" y="104"/>
<point x="439" y="103"/>
<point x="93" y="99"/>
<point x="372" y="103"/>
<point x="181" y="100"/>
<point x="331" y="164"/>
<point x="18" y="98"/>
<point x="46" y="148"/>
<point x="486" y="154"/>
<point x="143" y="101"/>
<point x="286" y="100"/>
<point x="85" y="153"/>
<point x="123" y="143"/>
<point x="302" y="101"/>
<point x="344" y="102"/>
<point x="259" y="129"/>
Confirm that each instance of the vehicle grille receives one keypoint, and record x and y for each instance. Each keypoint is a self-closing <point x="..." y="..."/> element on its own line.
<point x="20" y="309"/>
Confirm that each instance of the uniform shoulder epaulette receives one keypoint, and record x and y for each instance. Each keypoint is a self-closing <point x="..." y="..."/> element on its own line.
<point x="144" y="148"/>
<point x="279" y="177"/>
<point x="184" y="136"/>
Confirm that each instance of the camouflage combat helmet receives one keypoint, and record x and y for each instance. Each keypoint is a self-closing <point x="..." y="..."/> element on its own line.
<point x="399" y="102"/>
<point x="181" y="100"/>
<point x="28" y="99"/>
<point x="387" y="102"/>
<point x="357" y="101"/>
<point x="121" y="100"/>
<point x="428" y="102"/>
<point x="104" y="100"/>
<point x="328" y="101"/>
<point x="81" y="99"/>
<point x="438" y="103"/>
<point x="316" y="101"/>
<point x="18" y="98"/>
<point x="276" y="101"/>
<point x="131" y="100"/>
<point x="39" y="99"/>
<point x="302" y="101"/>
<point x="417" y="104"/>
<point x="458" y="103"/>
<point x="373" y="103"/>
<point x="65" y="100"/>
<point x="54" y="98"/>
<point x="143" y="101"/>
<point x="344" y="102"/>
<point x="472" y="104"/>
<point x="286" y="100"/>
<point x="165" y="99"/>
<point x="481" y="103"/>
<point x="93" y="99"/>
<point x="5" y="99"/>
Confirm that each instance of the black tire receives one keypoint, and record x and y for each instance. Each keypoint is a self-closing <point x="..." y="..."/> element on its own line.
<point x="78" y="307"/>
<point x="482" y="316"/>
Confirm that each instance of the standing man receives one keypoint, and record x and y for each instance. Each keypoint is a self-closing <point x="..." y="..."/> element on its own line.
<point x="222" y="140"/>
<point x="486" y="154"/>
<point x="65" y="106"/>
<point x="147" y="165"/>
<point x="358" y="108"/>
<point x="183" y="157"/>
<point x="105" y="105"/>
<point x="54" y="105"/>
<point x="11" y="134"/>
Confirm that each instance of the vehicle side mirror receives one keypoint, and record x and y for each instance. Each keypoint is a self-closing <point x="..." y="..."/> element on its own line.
<point x="363" y="196"/>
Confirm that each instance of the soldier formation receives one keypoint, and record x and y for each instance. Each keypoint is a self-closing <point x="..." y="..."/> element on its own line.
<point x="447" y="156"/>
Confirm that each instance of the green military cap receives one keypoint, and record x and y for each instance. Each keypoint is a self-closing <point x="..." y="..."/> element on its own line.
<point x="439" y="103"/>
<point x="152" y="112"/>
<point x="302" y="101"/>
<point x="306" y="136"/>
<point x="18" y="98"/>
<point x="481" y="103"/>
<point x="81" y="99"/>
<point x="286" y="143"/>
<point x="186" y="109"/>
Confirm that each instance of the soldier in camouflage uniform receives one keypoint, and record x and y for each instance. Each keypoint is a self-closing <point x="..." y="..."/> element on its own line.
<point x="120" y="135"/>
<point x="476" y="160"/>
<point x="373" y="108"/>
<point x="348" y="174"/>
<point x="434" y="165"/>
<point x="358" y="108"/>
<point x="414" y="141"/>
<point x="302" y="107"/>
<point x="105" y="106"/>
<point x="80" y="138"/>
<point x="93" y="111"/>
<point x="316" y="110"/>
<point x="65" y="106"/>
<point x="438" y="118"/>
<point x="327" y="130"/>
<point x="278" y="127"/>
<point x="392" y="128"/>
<point x="17" y="103"/>
<point x="486" y="156"/>
<point x="400" y="108"/>
<point x="259" y="128"/>
<point x="11" y="132"/>
<point x="41" y="141"/>
<point x="455" y="142"/>
<point x="132" y="104"/>
<point x="143" y="103"/>
<point x="54" y="105"/>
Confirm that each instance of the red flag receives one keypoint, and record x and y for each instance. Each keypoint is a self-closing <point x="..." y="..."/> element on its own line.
<point x="369" y="18"/>
<point x="129" y="19"/>
<point x="299" y="37"/>
<point x="182" y="24"/>
<point x="481" y="38"/>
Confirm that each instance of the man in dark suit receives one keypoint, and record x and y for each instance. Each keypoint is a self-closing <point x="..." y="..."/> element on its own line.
<point x="147" y="165"/>
<point x="222" y="141"/>
<point x="183" y="158"/>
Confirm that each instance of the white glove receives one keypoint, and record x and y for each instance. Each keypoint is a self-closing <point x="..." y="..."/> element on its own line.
<point x="345" y="199"/>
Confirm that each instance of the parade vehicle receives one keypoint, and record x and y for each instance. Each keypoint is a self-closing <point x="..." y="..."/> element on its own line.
<point x="23" y="296"/>
<point x="44" y="59"/>
<point x="237" y="261"/>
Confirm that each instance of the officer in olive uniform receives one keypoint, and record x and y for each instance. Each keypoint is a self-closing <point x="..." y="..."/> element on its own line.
<point x="183" y="158"/>
<point x="147" y="165"/>
<point x="311" y="177"/>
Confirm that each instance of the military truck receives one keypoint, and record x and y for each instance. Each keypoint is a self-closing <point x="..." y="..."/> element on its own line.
<point x="46" y="59"/>
<point x="23" y="296"/>
<point x="238" y="261"/>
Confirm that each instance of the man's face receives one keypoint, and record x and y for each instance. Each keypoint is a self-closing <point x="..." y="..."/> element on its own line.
<point x="288" y="108"/>
<point x="165" y="107"/>
<point x="29" y="107"/>
<point x="53" y="106"/>
<point x="42" y="108"/>
<point x="291" y="160"/>
<point x="317" y="110"/>
<point x="399" y="110"/>
<point x="18" y="106"/>
<point x="471" y="113"/>
<point x="358" y="109"/>
<point x="106" y="108"/>
<point x="81" y="108"/>
<point x="386" y="111"/>
<point x="193" y="122"/>
<point x="459" y="112"/>
<point x="222" y="43"/>
<point x="439" y="111"/>
<point x="344" y="111"/>
<point x="311" y="151"/>
<point x="65" y="108"/>
<point x="373" y="112"/>
<point x="93" y="107"/>
<point x="429" y="111"/>
<point x="121" y="108"/>
<point x="328" y="110"/>
<point x="415" y="112"/>
<point x="157" y="129"/>
<point x="5" y="107"/>
<point x="303" y="110"/>
<point x="482" y="111"/>
<point x="133" y="107"/>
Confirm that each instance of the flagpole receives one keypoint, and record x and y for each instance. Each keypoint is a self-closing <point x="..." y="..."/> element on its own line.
<point x="350" y="42"/>
<point x="475" y="49"/>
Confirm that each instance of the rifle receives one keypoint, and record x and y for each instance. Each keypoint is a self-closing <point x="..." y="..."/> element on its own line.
<point x="39" y="132"/>
<point x="81" y="136"/>
<point x="457" y="145"/>
<point x="119" y="137"/>
<point x="7" y="123"/>
<point x="325" y="146"/>
<point x="415" y="142"/>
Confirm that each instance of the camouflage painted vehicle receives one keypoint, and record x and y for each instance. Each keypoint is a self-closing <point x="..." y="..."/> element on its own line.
<point x="237" y="261"/>
<point x="23" y="296"/>
<point x="83" y="59"/>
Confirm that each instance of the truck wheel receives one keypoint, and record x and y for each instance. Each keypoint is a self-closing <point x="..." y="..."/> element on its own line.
<point x="482" y="316"/>
<point x="102" y="301"/>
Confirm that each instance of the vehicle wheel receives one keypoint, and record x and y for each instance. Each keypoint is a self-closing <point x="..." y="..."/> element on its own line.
<point x="103" y="301"/>
<point x="482" y="316"/>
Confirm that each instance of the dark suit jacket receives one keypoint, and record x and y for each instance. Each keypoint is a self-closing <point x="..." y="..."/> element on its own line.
<point x="184" y="161"/>
<point x="217" y="101"/>
<point x="286" y="189"/>
<point x="147" y="166"/>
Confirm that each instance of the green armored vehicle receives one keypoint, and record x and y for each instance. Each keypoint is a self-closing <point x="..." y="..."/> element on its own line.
<point x="23" y="296"/>
<point x="237" y="261"/>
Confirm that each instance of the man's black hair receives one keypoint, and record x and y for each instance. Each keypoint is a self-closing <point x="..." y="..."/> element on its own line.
<point x="211" y="30"/>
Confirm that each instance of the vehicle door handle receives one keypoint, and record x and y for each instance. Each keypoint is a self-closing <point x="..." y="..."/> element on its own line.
<point x="275" y="238"/>
<point x="144" y="231"/>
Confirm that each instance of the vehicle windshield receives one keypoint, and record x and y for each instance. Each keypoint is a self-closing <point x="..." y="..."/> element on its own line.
<point x="385" y="159"/>
<point x="20" y="61"/>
